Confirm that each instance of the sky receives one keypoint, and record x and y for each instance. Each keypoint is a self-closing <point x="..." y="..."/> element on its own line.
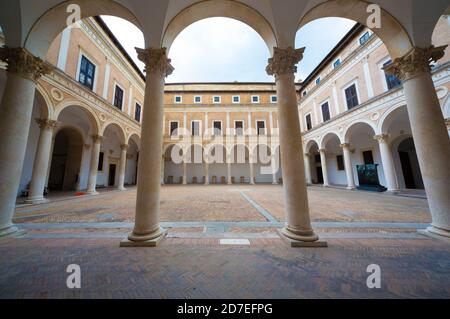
<point x="227" y="50"/>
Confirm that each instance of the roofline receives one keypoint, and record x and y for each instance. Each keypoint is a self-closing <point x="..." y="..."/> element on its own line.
<point x="344" y="41"/>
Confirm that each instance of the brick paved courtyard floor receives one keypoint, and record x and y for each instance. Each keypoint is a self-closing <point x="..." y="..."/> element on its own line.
<point x="196" y="261"/>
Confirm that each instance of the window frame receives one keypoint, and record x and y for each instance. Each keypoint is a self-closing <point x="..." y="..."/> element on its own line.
<point x="170" y="128"/>
<point x="117" y="85"/>
<point x="336" y="61"/>
<point x="220" y="99"/>
<point x="198" y="96"/>
<point x="276" y="99"/>
<point x="214" y="129"/>
<point x="239" y="99"/>
<point x="136" y="104"/>
<point x="327" y="101"/>
<point x="338" y="167"/>
<point x="364" y="38"/>
<point x="243" y="127"/>
<point x="310" y="120"/>
<point x="175" y="99"/>
<point x="265" y="127"/>
<point x="318" y="80"/>
<point x="199" y="127"/>
<point x="257" y="96"/>
<point x="344" y="88"/>
<point x="92" y="61"/>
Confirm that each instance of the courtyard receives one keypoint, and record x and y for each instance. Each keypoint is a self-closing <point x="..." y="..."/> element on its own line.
<point x="222" y="243"/>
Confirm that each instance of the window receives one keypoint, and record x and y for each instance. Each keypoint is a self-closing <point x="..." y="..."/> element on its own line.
<point x="236" y="99"/>
<point x="304" y="93"/>
<point x="178" y="99"/>
<point x="337" y="63"/>
<point x="239" y="127"/>
<point x="391" y="80"/>
<point x="118" y="97"/>
<point x="351" y="96"/>
<point x="195" y="128"/>
<point x="217" y="99"/>
<point x="318" y="80"/>
<point x="308" y="122"/>
<point x="326" y="112"/>
<point x="368" y="157"/>
<point x="137" y="112"/>
<point x="100" y="161"/>
<point x="255" y="99"/>
<point x="274" y="99"/>
<point x="87" y="73"/>
<point x="197" y="99"/>
<point x="261" y="127"/>
<point x="173" y="128"/>
<point x="364" y="38"/>
<point x="217" y="125"/>
<point x="340" y="163"/>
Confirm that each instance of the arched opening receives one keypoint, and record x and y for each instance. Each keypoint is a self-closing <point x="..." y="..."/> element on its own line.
<point x="335" y="159"/>
<point x="173" y="165"/>
<point x="195" y="166"/>
<point x="240" y="164"/>
<point x="312" y="149"/>
<point x="66" y="160"/>
<point x="409" y="175"/>
<point x="216" y="156"/>
<point x="262" y="158"/>
<point x="131" y="168"/>
<point x="113" y="139"/>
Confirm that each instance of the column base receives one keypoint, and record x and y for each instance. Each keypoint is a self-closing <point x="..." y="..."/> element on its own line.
<point x="148" y="240"/>
<point x="122" y="189"/>
<point x="301" y="239"/>
<point x="11" y="230"/>
<point x="92" y="193"/>
<point x="435" y="232"/>
<point x="36" y="200"/>
<point x="350" y="188"/>
<point x="325" y="185"/>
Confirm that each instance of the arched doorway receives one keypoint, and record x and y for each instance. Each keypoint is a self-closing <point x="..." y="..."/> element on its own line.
<point x="411" y="177"/>
<point x="66" y="160"/>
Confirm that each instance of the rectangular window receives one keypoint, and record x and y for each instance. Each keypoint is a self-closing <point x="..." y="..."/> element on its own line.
<point x="197" y="99"/>
<point x="118" y="97"/>
<point x="195" y="128"/>
<point x="340" y="163"/>
<point x="391" y="80"/>
<point x="326" y="112"/>
<point x="217" y="99"/>
<point x="261" y="127"/>
<point x="178" y="99"/>
<point x="100" y="161"/>
<point x="87" y="73"/>
<point x="318" y="80"/>
<point x="308" y="122"/>
<point x="236" y="99"/>
<point x="173" y="128"/>
<point x="255" y="99"/>
<point x="304" y="93"/>
<point x="368" y="158"/>
<point x="274" y="99"/>
<point x="351" y="96"/>
<point x="364" y="38"/>
<point x="217" y="125"/>
<point x="137" y="113"/>
<point x="239" y="127"/>
<point x="337" y="63"/>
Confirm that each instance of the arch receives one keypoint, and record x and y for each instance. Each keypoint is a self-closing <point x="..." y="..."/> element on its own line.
<point x="95" y="122"/>
<point x="328" y="137"/>
<point x="446" y="108"/>
<point x="219" y="8"/>
<point x="54" y="21"/>
<point x="136" y="139"/>
<point x="49" y="106"/>
<point x="194" y="153"/>
<point x="388" y="117"/>
<point x="309" y="144"/>
<point x="235" y="154"/>
<point x="116" y="128"/>
<point x="393" y="35"/>
<point x="211" y="154"/>
<point x="355" y="125"/>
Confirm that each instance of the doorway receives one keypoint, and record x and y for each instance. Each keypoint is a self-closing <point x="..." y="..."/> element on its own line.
<point x="410" y="165"/>
<point x="112" y="175"/>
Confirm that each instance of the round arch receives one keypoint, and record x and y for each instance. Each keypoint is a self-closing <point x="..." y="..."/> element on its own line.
<point x="219" y="8"/>
<point x="355" y="125"/>
<point x="328" y="137"/>
<point x="235" y="154"/>
<point x="116" y="128"/>
<point x="446" y="108"/>
<point x="54" y="21"/>
<point x="49" y="106"/>
<point x="309" y="144"/>
<point x="392" y="33"/>
<point x="95" y="122"/>
<point x="135" y="138"/>
<point x="388" y="117"/>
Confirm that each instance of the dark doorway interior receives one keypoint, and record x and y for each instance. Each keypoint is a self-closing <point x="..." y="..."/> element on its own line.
<point x="410" y="164"/>
<point x="112" y="175"/>
<point x="319" y="175"/>
<point x="407" y="170"/>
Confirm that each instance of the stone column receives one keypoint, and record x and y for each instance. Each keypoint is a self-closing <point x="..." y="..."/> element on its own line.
<point x="122" y="167"/>
<point x="429" y="131"/>
<point x="206" y="173"/>
<point x="387" y="161"/>
<point x="93" y="169"/>
<point x="274" y="170"/>
<point x="41" y="161"/>
<point x="15" y="118"/>
<point x="147" y="231"/>
<point x="229" y="173"/>
<point x="323" y="162"/>
<point x="348" y="166"/>
<point x="163" y="165"/>
<point x="308" y="169"/>
<point x="184" y="173"/>
<point x="252" y="170"/>
<point x="298" y="230"/>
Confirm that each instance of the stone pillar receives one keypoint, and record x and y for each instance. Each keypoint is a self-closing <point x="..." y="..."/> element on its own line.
<point x="298" y="230"/>
<point x="229" y="173"/>
<point x="163" y="167"/>
<point x="122" y="167"/>
<point x="348" y="166"/>
<point x="308" y="169"/>
<point x="274" y="170"/>
<point x="184" y="172"/>
<point x="206" y="173"/>
<point x="147" y="231"/>
<point x="387" y="161"/>
<point x="323" y="162"/>
<point x="93" y="169"/>
<point x="41" y="161"/>
<point x="252" y="170"/>
<point x="15" y="118"/>
<point x="429" y="131"/>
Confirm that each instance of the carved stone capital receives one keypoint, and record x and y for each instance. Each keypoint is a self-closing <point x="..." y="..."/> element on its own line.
<point x="381" y="138"/>
<point x="345" y="145"/>
<point x="284" y="61"/>
<point x="124" y="147"/>
<point x="322" y="150"/>
<point x="155" y="61"/>
<point x="23" y="63"/>
<point x="45" y="124"/>
<point x="97" y="138"/>
<point x="415" y="62"/>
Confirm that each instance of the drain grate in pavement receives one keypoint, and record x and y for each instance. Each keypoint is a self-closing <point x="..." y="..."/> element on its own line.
<point x="236" y="242"/>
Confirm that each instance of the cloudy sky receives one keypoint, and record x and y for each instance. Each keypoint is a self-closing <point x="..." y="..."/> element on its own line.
<point x="226" y="50"/>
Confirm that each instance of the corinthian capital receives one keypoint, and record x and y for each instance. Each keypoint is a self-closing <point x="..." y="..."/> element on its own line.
<point x="284" y="61"/>
<point x="23" y="63"/>
<point x="155" y="60"/>
<point x="381" y="138"/>
<point x="46" y="124"/>
<point x="415" y="62"/>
